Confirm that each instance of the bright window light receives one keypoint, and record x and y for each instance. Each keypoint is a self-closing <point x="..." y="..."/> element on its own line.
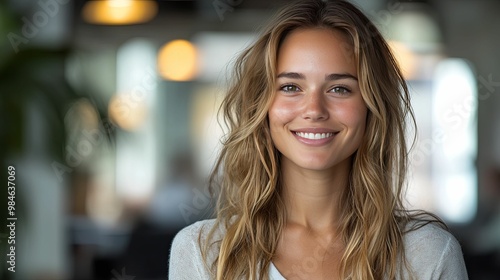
<point x="454" y="116"/>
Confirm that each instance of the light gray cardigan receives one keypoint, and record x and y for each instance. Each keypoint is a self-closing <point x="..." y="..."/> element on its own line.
<point x="432" y="252"/>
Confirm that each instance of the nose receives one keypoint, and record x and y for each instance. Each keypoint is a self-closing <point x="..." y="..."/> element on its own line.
<point x="315" y="107"/>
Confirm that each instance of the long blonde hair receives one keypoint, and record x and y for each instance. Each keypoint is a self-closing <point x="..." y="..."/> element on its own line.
<point x="246" y="175"/>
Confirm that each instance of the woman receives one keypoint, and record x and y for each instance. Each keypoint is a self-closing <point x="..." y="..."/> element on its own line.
<point x="310" y="176"/>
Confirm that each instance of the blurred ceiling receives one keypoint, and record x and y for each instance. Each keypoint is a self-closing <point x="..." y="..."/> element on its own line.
<point x="179" y="19"/>
<point x="184" y="18"/>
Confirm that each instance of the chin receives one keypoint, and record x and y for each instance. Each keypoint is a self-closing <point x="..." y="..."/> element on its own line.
<point x="316" y="165"/>
<point x="322" y="163"/>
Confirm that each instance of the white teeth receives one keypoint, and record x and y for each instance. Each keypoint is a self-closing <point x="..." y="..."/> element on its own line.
<point x="314" y="135"/>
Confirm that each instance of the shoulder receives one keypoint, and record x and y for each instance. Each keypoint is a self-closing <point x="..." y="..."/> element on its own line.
<point x="434" y="253"/>
<point x="186" y="260"/>
<point x="192" y="232"/>
<point x="192" y="235"/>
<point x="429" y="235"/>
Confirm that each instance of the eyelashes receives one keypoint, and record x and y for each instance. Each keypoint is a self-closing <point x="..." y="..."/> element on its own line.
<point x="341" y="90"/>
<point x="289" y="88"/>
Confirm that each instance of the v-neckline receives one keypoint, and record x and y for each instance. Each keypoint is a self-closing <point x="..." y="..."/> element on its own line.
<point x="274" y="273"/>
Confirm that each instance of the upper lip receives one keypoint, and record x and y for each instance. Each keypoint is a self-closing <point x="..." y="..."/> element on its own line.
<point x="314" y="130"/>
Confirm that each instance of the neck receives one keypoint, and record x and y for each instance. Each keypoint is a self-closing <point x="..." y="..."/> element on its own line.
<point x="312" y="198"/>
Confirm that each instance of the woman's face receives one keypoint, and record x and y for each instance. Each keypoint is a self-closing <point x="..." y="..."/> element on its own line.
<point x="317" y="119"/>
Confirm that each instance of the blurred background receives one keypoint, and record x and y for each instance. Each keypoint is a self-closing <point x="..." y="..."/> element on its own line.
<point x="108" y="115"/>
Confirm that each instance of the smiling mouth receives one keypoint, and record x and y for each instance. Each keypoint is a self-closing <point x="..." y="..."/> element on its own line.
<point x="314" y="136"/>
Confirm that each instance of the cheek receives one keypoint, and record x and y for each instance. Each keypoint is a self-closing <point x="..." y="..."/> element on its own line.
<point x="352" y="114"/>
<point x="281" y="113"/>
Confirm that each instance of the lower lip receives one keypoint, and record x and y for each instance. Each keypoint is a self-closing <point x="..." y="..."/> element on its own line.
<point x="314" y="142"/>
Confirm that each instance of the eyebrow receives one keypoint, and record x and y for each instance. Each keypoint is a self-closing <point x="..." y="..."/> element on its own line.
<point x="329" y="77"/>
<point x="333" y="77"/>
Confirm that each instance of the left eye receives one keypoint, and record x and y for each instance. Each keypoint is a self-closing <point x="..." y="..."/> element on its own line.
<point x="340" y="90"/>
<point x="290" y="88"/>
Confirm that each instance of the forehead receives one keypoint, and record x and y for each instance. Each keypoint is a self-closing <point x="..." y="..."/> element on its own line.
<point x="321" y="47"/>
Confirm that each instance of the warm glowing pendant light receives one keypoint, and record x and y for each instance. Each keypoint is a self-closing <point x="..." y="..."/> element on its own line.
<point x="119" y="12"/>
<point x="177" y="61"/>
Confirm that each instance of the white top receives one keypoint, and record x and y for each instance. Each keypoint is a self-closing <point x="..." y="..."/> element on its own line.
<point x="432" y="252"/>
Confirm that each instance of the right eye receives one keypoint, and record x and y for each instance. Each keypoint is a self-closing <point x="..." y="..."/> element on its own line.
<point x="289" y="88"/>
